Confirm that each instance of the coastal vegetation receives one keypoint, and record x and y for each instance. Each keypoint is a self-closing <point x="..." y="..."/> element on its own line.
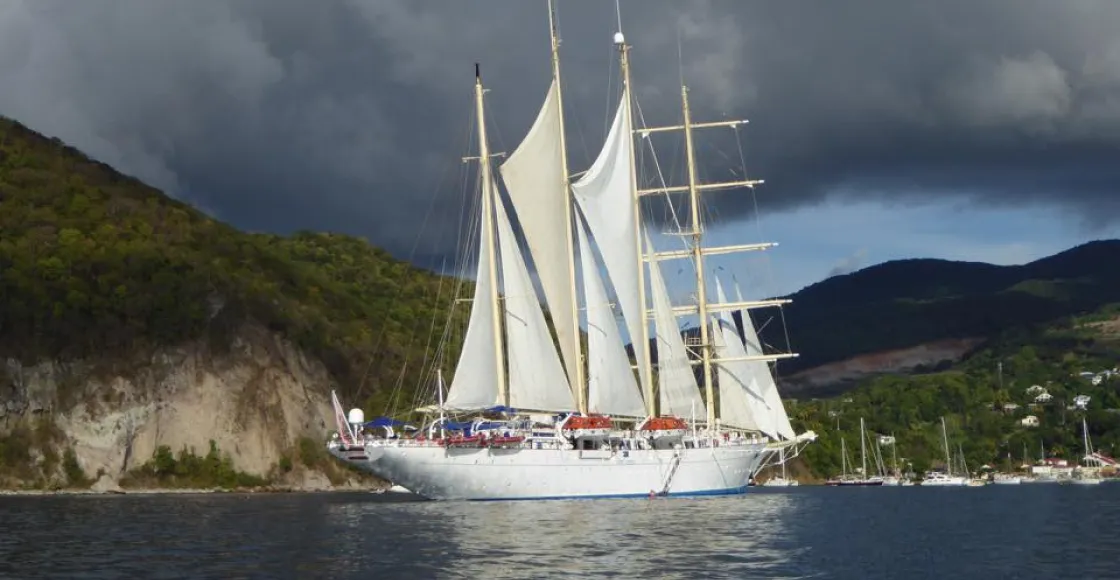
<point x="986" y="400"/>
<point x="36" y="454"/>
<point x="186" y="469"/>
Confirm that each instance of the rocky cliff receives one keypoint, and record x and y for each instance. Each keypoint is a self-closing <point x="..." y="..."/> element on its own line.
<point x="255" y="399"/>
<point x="133" y="326"/>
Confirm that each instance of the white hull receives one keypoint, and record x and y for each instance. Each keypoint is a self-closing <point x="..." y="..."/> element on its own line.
<point x="945" y="481"/>
<point x="482" y="473"/>
<point x="1085" y="481"/>
<point x="1013" y="480"/>
<point x="780" y="482"/>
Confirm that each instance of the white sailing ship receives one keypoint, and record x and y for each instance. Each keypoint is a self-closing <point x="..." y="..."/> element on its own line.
<point x="548" y="422"/>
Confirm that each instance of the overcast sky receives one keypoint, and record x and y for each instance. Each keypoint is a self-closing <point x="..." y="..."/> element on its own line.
<point x="965" y="129"/>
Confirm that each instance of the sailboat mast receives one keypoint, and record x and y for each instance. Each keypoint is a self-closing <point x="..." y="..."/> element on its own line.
<point x="488" y="200"/>
<point x="698" y="261"/>
<point x="578" y="382"/>
<point x="945" y="440"/>
<point x="862" y="448"/>
<point x="894" y="455"/>
<point x="641" y="343"/>
<point x="1085" y="435"/>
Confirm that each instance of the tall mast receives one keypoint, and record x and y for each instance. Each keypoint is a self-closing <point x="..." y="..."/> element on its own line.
<point x="698" y="261"/>
<point x="894" y="455"/>
<point x="578" y="382"/>
<point x="641" y="343"/>
<point x="945" y="440"/>
<point x="488" y="200"/>
<point x="862" y="448"/>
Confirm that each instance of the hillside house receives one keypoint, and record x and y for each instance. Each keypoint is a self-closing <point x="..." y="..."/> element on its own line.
<point x="1043" y="398"/>
<point x="1035" y="390"/>
<point x="1029" y="421"/>
<point x="1010" y="407"/>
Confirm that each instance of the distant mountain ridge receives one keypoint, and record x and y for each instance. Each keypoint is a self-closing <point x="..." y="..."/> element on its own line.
<point x="906" y="303"/>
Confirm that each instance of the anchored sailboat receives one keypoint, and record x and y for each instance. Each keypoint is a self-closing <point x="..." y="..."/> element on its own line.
<point x="543" y="425"/>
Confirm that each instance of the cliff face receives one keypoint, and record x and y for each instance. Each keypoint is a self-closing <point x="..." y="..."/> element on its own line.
<point x="254" y="400"/>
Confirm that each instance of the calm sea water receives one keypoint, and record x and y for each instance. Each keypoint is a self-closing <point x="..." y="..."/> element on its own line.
<point x="1029" y="531"/>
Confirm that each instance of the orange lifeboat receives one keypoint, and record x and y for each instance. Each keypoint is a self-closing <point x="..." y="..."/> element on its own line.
<point x="461" y="441"/>
<point x="576" y="422"/>
<point x="663" y="424"/>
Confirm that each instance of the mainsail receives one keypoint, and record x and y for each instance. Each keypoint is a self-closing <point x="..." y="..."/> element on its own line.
<point x="605" y="196"/>
<point x="536" y="377"/>
<point x="611" y="386"/>
<point x="534" y="176"/>
<point x="680" y="394"/>
<point x="475" y="384"/>
<point x="740" y="401"/>
<point x="767" y="387"/>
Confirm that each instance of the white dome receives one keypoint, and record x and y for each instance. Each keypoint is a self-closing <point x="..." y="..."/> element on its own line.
<point x="356" y="416"/>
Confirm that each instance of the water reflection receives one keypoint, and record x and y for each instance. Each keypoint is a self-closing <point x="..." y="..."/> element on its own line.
<point x="1027" y="532"/>
<point x="614" y="538"/>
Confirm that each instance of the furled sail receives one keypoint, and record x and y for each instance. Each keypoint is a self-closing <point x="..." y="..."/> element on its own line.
<point x="536" y="377"/>
<point x="740" y="402"/>
<point x="680" y="395"/>
<point x="611" y="387"/>
<point x="534" y="177"/>
<point x="767" y="387"/>
<point x="604" y="194"/>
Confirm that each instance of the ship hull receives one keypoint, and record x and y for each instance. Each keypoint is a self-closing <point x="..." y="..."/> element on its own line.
<point x="524" y="473"/>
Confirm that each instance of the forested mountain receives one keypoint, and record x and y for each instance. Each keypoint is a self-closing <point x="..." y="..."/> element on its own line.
<point x="93" y="262"/>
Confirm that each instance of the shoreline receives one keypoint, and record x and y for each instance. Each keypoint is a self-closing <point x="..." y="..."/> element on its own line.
<point x="180" y="491"/>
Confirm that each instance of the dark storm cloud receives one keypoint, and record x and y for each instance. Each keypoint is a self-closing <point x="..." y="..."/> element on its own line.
<point x="351" y="115"/>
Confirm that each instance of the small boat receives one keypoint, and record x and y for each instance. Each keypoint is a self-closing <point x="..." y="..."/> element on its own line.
<point x="1086" y="475"/>
<point x="1006" y="479"/>
<point x="853" y="479"/>
<point x="939" y="479"/>
<point x="781" y="480"/>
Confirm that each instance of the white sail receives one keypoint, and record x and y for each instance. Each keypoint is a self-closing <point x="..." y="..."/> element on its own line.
<point x="475" y="383"/>
<point x="604" y="195"/>
<point x="740" y="400"/>
<point x="536" y="377"/>
<point x="680" y="395"/>
<point x="610" y="382"/>
<point x="766" y="386"/>
<point x="534" y="177"/>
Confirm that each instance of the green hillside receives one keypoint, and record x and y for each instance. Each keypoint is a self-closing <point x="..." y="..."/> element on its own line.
<point x="96" y="264"/>
<point x="972" y="397"/>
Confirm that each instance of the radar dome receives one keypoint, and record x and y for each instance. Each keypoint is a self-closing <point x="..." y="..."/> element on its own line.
<point x="356" y="416"/>
<point x="619" y="38"/>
